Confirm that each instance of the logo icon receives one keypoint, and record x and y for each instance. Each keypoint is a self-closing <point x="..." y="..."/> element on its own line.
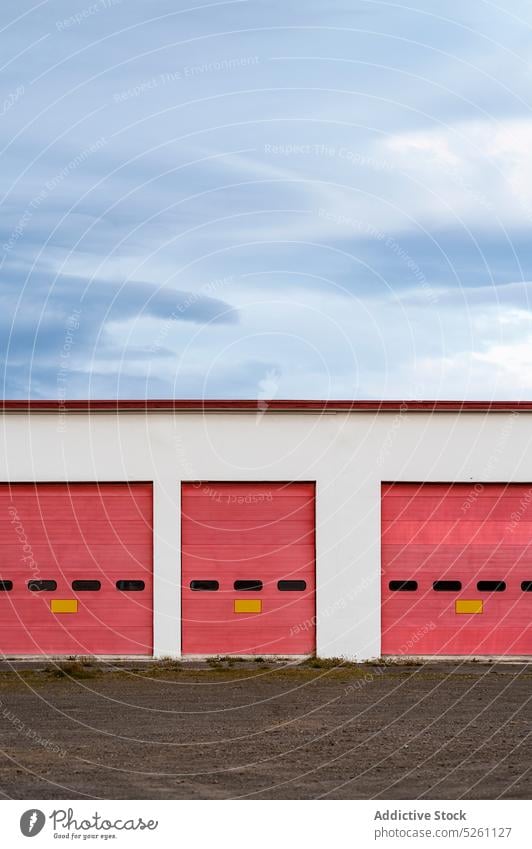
<point x="32" y="822"/>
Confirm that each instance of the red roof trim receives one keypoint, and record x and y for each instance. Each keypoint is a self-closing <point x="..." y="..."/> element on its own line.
<point x="254" y="405"/>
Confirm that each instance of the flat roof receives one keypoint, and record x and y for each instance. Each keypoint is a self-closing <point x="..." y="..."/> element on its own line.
<point x="260" y="406"/>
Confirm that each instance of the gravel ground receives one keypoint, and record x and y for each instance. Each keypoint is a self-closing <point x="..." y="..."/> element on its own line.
<point x="264" y="731"/>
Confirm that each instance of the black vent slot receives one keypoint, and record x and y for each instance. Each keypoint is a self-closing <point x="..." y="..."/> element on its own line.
<point x="447" y="586"/>
<point x="39" y="586"/>
<point x="526" y="586"/>
<point x="6" y="586"/>
<point x="245" y="586"/>
<point x="130" y="586"/>
<point x="291" y="586"/>
<point x="205" y="586"/>
<point x="403" y="586"/>
<point x="491" y="586"/>
<point x="86" y="586"/>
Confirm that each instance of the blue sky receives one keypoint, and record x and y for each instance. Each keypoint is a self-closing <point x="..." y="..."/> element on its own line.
<point x="266" y="199"/>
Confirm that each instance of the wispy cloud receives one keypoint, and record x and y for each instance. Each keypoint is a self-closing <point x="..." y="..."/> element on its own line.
<point x="240" y="195"/>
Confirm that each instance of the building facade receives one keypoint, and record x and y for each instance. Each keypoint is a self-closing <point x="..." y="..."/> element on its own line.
<point x="349" y="529"/>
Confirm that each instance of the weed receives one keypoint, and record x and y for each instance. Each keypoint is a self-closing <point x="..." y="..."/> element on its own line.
<point x="169" y="662"/>
<point x="71" y="669"/>
<point x="393" y="661"/>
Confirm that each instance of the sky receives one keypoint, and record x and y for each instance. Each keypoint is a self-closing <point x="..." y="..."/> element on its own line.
<point x="266" y="199"/>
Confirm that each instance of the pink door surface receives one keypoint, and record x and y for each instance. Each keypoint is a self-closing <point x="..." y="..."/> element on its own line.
<point x="76" y="569"/>
<point x="248" y="568"/>
<point x="456" y="569"/>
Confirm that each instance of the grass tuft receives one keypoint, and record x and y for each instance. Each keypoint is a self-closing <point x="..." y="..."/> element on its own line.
<point x="72" y="669"/>
<point x="329" y="663"/>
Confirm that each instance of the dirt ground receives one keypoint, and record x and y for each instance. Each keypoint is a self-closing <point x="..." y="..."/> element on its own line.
<point x="265" y="731"/>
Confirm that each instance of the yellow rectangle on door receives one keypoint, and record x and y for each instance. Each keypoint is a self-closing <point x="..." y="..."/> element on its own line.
<point x="463" y="605"/>
<point x="247" y="605"/>
<point x="64" y="605"/>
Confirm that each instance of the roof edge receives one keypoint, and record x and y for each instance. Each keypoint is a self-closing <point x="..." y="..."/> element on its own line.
<point x="260" y="406"/>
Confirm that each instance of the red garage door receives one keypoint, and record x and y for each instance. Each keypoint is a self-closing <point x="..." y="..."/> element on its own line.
<point x="457" y="569"/>
<point x="248" y="568"/>
<point x="76" y="569"/>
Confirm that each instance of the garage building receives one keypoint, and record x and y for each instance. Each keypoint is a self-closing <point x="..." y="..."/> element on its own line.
<point x="349" y="529"/>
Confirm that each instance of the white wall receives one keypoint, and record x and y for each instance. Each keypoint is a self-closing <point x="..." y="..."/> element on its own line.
<point x="347" y="454"/>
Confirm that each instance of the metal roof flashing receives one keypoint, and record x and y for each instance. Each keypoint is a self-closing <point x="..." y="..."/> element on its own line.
<point x="261" y="406"/>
